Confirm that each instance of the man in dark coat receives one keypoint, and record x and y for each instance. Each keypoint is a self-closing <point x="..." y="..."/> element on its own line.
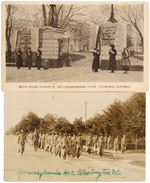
<point x="19" y="58"/>
<point x="112" y="58"/>
<point x="95" y="64"/>
<point x="29" y="57"/>
<point x="38" y="58"/>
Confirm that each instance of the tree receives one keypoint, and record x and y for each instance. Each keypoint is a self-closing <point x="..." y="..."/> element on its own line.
<point x="63" y="125"/>
<point x="95" y="125"/>
<point x="113" y="117"/>
<point x="48" y="123"/>
<point x="78" y="125"/>
<point x="8" y="30"/>
<point x="134" y="114"/>
<point x="62" y="15"/>
<point x="134" y="15"/>
<point x="44" y="14"/>
<point x="28" y="123"/>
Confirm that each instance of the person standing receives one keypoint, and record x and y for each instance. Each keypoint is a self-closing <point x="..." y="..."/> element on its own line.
<point x="35" y="139"/>
<point x="73" y="146"/>
<point x="123" y="144"/>
<point x="95" y="64"/>
<point x="21" y="141"/>
<point x="95" y="138"/>
<point x="79" y="145"/>
<point x="43" y="141"/>
<point x="64" y="146"/>
<point x="29" y="58"/>
<point x="19" y="58"/>
<point x="116" y="147"/>
<point x="59" y="145"/>
<point x="125" y="62"/>
<point x="109" y="143"/>
<point x="100" y="145"/>
<point x="38" y="58"/>
<point x="89" y="143"/>
<point x="105" y="142"/>
<point x="112" y="58"/>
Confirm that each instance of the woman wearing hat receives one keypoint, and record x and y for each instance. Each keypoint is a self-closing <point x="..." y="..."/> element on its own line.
<point x="19" y="58"/>
<point x="38" y="58"/>
<point x="95" y="64"/>
<point x="112" y="58"/>
<point x="125" y="62"/>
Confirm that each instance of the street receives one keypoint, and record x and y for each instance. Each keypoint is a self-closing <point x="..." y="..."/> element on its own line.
<point x="18" y="168"/>
<point x="80" y="71"/>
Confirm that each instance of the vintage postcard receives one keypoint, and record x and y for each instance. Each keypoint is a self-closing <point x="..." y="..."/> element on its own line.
<point x="74" y="136"/>
<point x="75" y="46"/>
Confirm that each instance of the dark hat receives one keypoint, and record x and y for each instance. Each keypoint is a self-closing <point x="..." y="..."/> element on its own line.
<point x="112" y="45"/>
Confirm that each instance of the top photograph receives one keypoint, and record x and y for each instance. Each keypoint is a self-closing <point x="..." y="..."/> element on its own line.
<point x="75" y="46"/>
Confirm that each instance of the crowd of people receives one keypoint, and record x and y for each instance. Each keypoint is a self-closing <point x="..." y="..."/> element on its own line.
<point x="63" y="144"/>
<point x="125" y="61"/>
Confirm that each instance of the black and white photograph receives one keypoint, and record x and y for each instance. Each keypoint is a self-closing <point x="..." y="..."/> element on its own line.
<point x="78" y="42"/>
<point x="78" y="136"/>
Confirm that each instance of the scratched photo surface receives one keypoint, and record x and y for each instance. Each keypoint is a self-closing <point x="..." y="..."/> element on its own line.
<point x="78" y="42"/>
<point x="74" y="136"/>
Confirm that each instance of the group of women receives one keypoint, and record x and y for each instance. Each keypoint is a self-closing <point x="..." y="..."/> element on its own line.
<point x="29" y="60"/>
<point x="125" y="61"/>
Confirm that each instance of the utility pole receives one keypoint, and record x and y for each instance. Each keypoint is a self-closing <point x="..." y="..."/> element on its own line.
<point x="85" y="111"/>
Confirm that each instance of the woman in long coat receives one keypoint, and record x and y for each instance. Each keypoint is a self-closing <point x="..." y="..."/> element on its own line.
<point x="112" y="58"/>
<point x="95" y="64"/>
<point x="38" y="58"/>
<point x="19" y="58"/>
<point x="125" y="62"/>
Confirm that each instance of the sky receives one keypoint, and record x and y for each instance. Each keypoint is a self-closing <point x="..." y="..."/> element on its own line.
<point x="69" y="105"/>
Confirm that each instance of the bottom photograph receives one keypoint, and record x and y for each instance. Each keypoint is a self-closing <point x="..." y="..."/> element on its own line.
<point x="74" y="136"/>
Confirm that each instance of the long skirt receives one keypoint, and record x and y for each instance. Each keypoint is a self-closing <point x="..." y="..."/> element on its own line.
<point x="112" y="64"/>
<point x="38" y="62"/>
<point x="95" y="64"/>
<point x="19" y="62"/>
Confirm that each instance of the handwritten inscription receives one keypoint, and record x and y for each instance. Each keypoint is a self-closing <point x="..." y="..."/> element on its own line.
<point x="80" y="172"/>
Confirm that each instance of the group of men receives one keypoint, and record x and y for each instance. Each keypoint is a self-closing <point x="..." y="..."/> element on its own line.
<point x="29" y="54"/>
<point x="99" y="143"/>
<point x="63" y="144"/>
<point x="125" y="61"/>
<point x="58" y="144"/>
